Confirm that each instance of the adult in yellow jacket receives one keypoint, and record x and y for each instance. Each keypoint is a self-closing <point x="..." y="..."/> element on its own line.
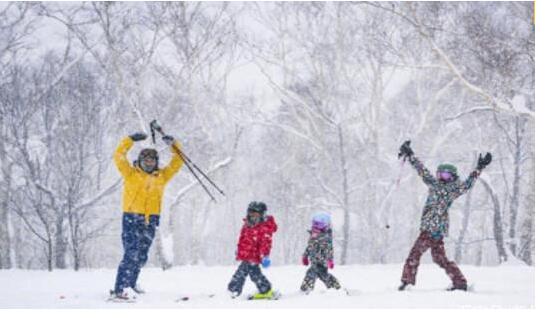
<point x="144" y="184"/>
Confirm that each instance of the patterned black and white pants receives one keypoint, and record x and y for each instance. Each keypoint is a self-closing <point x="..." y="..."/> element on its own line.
<point x="319" y="271"/>
<point x="248" y="269"/>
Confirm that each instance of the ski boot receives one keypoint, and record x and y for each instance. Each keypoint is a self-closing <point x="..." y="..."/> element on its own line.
<point x="233" y="294"/>
<point x="461" y="287"/>
<point x="305" y="291"/>
<point x="404" y="286"/>
<point x="121" y="297"/>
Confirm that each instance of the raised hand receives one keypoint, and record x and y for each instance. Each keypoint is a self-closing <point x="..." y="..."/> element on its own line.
<point x="482" y="162"/>
<point x="168" y="139"/>
<point x="405" y="150"/>
<point x="138" y="136"/>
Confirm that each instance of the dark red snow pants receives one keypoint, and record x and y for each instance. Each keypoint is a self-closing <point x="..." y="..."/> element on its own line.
<point x="424" y="242"/>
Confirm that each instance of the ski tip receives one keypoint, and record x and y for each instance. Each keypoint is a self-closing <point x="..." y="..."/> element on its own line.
<point x="188" y="298"/>
<point x="351" y="292"/>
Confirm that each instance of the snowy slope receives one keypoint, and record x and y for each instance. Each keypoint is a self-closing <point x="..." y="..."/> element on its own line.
<point x="506" y="286"/>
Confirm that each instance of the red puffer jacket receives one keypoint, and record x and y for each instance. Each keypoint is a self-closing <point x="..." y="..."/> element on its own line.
<point x="255" y="241"/>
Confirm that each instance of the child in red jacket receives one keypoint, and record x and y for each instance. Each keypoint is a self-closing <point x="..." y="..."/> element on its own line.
<point x="254" y="247"/>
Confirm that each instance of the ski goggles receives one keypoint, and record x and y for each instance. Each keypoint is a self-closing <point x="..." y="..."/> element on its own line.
<point x="445" y="175"/>
<point x="319" y="225"/>
<point x="254" y="218"/>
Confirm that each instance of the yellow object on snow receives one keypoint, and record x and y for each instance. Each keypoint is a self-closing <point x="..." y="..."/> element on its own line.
<point x="143" y="192"/>
<point x="267" y="295"/>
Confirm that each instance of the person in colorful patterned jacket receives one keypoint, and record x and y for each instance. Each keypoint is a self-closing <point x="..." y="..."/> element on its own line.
<point x="443" y="190"/>
<point x="319" y="254"/>
<point x="254" y="247"/>
<point x="144" y="183"/>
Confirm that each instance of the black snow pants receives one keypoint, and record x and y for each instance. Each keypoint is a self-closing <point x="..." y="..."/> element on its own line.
<point x="249" y="269"/>
<point x="319" y="271"/>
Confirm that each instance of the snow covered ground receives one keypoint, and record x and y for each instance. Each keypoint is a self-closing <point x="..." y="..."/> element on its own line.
<point x="503" y="287"/>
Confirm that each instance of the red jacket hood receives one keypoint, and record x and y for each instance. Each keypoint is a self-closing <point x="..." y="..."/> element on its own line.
<point x="268" y="224"/>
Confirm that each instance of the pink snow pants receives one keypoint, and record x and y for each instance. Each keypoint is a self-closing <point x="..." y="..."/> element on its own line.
<point x="424" y="242"/>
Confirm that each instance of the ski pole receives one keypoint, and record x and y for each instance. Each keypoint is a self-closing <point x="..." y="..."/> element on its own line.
<point x="398" y="180"/>
<point x="152" y="133"/>
<point x="193" y="172"/>
<point x="200" y="171"/>
<point x="156" y="127"/>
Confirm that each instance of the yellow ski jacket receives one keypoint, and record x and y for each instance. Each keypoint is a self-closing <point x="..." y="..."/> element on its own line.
<point x="143" y="192"/>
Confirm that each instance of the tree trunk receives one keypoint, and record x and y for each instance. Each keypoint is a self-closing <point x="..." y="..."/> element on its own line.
<point x="464" y="228"/>
<point x="527" y="224"/>
<point x="497" y="225"/>
<point x="347" y="223"/>
<point x="466" y="220"/>
<point x="513" y="214"/>
<point x="527" y="236"/>
<point x="5" y="235"/>
<point x="60" y="246"/>
<point x="49" y="252"/>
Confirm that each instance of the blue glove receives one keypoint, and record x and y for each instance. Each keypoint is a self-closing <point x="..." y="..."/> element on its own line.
<point x="437" y="235"/>
<point x="266" y="262"/>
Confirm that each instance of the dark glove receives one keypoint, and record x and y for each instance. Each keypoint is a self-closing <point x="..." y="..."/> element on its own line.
<point x="482" y="162"/>
<point x="168" y="139"/>
<point x="405" y="150"/>
<point x="305" y="260"/>
<point x="139" y="136"/>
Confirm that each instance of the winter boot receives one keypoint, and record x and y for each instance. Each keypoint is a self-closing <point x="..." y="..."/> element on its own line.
<point x="121" y="297"/>
<point x="404" y="286"/>
<point x="233" y="294"/>
<point x="462" y="287"/>
<point x="305" y="290"/>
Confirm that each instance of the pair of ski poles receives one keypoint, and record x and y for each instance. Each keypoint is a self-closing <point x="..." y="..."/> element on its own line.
<point x="155" y="127"/>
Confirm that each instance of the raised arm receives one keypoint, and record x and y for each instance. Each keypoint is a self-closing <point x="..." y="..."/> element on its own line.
<point x="119" y="157"/>
<point x="405" y="152"/>
<point x="176" y="161"/>
<point x="423" y="172"/>
<point x="469" y="182"/>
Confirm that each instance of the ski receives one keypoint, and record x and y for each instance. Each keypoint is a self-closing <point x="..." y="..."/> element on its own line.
<point x="469" y="288"/>
<point x="112" y="298"/>
<point x="351" y="292"/>
<point x="276" y="295"/>
<point x="185" y="298"/>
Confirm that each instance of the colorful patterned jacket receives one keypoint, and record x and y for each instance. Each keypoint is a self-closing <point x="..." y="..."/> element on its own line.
<point x="441" y="195"/>
<point x="320" y="247"/>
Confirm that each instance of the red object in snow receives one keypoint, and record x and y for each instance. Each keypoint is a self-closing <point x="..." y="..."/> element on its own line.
<point x="255" y="241"/>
